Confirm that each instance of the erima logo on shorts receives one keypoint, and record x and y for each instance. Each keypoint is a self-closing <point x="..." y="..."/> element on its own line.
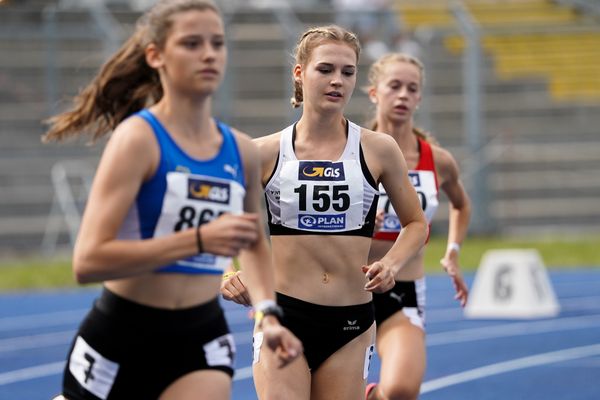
<point x="322" y="221"/>
<point x="352" y="325"/>
<point x="414" y="179"/>
<point x="321" y="171"/>
<point x="216" y="192"/>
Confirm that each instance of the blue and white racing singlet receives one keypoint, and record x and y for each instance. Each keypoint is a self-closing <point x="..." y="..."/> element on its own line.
<point x="186" y="192"/>
<point x="307" y="197"/>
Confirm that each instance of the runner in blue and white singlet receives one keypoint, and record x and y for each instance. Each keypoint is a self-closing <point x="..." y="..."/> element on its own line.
<point x="176" y="194"/>
<point x="185" y="192"/>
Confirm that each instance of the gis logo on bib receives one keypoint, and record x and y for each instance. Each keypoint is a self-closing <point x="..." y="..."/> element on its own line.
<point x="322" y="221"/>
<point x="216" y="192"/>
<point x="321" y="171"/>
<point x="414" y="179"/>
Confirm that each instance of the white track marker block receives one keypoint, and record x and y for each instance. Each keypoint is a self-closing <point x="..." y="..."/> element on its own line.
<point x="511" y="284"/>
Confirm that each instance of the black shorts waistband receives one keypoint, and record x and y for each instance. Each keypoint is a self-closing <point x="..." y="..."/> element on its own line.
<point x="319" y="310"/>
<point x="119" y="307"/>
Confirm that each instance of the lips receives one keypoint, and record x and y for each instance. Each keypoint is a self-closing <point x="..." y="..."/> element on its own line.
<point x="209" y="71"/>
<point x="334" y="94"/>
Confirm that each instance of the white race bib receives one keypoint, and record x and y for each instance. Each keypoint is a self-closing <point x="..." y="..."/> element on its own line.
<point x="192" y="200"/>
<point x="321" y="196"/>
<point x="424" y="183"/>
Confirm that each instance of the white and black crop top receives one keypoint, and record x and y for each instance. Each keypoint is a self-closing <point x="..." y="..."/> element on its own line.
<point x="316" y="197"/>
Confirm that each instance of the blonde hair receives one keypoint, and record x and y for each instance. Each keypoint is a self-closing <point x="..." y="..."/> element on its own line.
<point x="376" y="69"/>
<point x="376" y="72"/>
<point x="125" y="83"/>
<point x="313" y="38"/>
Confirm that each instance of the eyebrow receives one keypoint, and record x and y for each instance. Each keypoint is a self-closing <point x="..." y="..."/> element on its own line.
<point x="405" y="82"/>
<point x="326" y="64"/>
<point x="200" y="36"/>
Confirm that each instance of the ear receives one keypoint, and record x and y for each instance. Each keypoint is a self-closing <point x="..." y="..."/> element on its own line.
<point x="297" y="73"/>
<point x="372" y="95"/>
<point x="154" y="56"/>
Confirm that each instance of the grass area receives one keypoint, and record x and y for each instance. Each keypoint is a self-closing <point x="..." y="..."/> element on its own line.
<point x="37" y="273"/>
<point x="570" y="252"/>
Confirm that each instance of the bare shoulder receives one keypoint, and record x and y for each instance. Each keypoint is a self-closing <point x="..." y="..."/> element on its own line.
<point x="382" y="153"/>
<point x="269" y="144"/>
<point x="444" y="160"/>
<point x="248" y="149"/>
<point x="134" y="134"/>
<point x="268" y="140"/>
<point x="378" y="143"/>
<point x="243" y="139"/>
<point x="132" y="152"/>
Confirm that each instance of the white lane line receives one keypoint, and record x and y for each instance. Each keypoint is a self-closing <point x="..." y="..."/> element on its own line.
<point x="40" y="371"/>
<point x="437" y="315"/>
<point x="42" y="320"/>
<point x="513" y="329"/>
<point x="65" y="337"/>
<point x="36" y="341"/>
<point x="25" y="374"/>
<point x="240" y="315"/>
<point x="511" y="365"/>
<point x="242" y="373"/>
<point x="75" y="317"/>
<point x="429" y="386"/>
<point x="43" y="370"/>
<point x="433" y="339"/>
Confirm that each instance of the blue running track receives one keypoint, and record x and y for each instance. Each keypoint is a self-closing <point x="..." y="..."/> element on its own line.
<point x="555" y="358"/>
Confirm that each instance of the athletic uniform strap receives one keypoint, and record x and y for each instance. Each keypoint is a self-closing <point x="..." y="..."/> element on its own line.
<point x="425" y="181"/>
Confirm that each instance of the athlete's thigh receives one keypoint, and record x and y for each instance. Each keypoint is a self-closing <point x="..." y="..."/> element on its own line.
<point x="208" y="384"/>
<point x="343" y="375"/>
<point x="291" y="382"/>
<point x="401" y="348"/>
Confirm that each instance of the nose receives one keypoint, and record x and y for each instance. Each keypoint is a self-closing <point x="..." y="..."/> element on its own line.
<point x="210" y="53"/>
<point x="336" y="80"/>
<point x="403" y="92"/>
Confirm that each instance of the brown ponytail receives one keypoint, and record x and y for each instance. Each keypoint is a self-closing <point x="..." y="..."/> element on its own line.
<point x="125" y="83"/>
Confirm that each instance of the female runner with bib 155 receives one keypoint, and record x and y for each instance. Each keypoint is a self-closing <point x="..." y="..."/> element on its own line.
<point x="176" y="194"/>
<point x="321" y="178"/>
<point x="395" y="88"/>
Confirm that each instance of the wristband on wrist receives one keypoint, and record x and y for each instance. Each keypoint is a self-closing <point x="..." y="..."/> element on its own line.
<point x="199" y="241"/>
<point x="454" y="246"/>
<point x="265" y="308"/>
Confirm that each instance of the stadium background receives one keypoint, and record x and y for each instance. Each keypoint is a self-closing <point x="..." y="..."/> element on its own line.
<point x="513" y="90"/>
